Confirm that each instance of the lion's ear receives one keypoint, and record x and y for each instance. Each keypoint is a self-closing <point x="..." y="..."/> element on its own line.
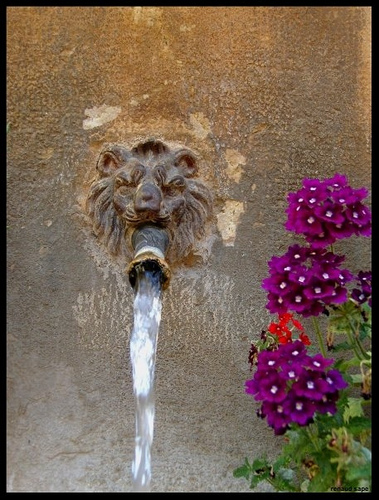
<point x="110" y="160"/>
<point x="186" y="162"/>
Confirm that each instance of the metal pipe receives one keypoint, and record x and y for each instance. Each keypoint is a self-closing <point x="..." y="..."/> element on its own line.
<point x="150" y="243"/>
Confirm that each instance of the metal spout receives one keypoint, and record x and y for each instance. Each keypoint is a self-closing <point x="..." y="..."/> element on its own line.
<point x="150" y="243"/>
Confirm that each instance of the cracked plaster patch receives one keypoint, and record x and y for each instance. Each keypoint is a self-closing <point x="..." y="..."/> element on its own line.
<point x="200" y="124"/>
<point x="97" y="116"/>
<point x="235" y="163"/>
<point x="228" y="220"/>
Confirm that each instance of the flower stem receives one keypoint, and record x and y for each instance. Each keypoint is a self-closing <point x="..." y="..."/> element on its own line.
<point x="354" y="342"/>
<point x="310" y="433"/>
<point x="319" y="336"/>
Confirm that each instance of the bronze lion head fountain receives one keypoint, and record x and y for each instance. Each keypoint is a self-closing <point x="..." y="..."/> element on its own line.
<point x="150" y="185"/>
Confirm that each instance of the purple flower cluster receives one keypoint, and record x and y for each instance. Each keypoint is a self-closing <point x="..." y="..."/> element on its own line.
<point x="294" y="385"/>
<point x="305" y="280"/>
<point x="363" y="293"/>
<point x="324" y="211"/>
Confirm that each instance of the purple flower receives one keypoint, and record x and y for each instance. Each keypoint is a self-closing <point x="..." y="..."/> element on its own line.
<point x="304" y="306"/>
<point x="318" y="363"/>
<point x="324" y="238"/>
<point x="272" y="388"/>
<point x="362" y="294"/>
<point x="277" y="303"/>
<point x="304" y="280"/>
<point x="251" y="387"/>
<point x="338" y="181"/>
<point x="327" y="404"/>
<point x="276" y="418"/>
<point x="339" y="232"/>
<point x="330" y="213"/>
<point x="360" y="216"/>
<point x="319" y="289"/>
<point x="291" y="371"/>
<point x="293" y="352"/>
<point x="335" y="381"/>
<point x="311" y="386"/>
<point x="348" y="195"/>
<point x="295" y="255"/>
<point x="280" y="283"/>
<point x="365" y="279"/>
<point x="299" y="409"/>
<point x="300" y="274"/>
<point x="324" y="211"/>
<point x="293" y="385"/>
<point x="306" y="222"/>
<point x="344" y="276"/>
<point x="338" y="296"/>
<point x="269" y="360"/>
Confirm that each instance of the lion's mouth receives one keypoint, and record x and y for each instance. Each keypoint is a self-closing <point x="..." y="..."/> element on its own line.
<point x="132" y="217"/>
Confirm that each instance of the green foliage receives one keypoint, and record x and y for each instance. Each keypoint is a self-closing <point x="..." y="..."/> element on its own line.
<point x="278" y="475"/>
<point x="352" y="409"/>
<point x="333" y="452"/>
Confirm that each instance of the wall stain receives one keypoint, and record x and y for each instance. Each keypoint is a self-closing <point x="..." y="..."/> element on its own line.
<point x="228" y="219"/>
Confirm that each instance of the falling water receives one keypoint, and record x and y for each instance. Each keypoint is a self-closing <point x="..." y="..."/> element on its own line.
<point x="143" y="345"/>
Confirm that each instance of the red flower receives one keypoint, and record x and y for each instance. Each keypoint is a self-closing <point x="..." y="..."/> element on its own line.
<point x="284" y="339"/>
<point x="304" y="338"/>
<point x="297" y="324"/>
<point x="285" y="318"/>
<point x="279" y="329"/>
<point x="284" y="332"/>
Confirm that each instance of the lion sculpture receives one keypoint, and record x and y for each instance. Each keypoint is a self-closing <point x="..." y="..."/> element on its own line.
<point x="149" y="183"/>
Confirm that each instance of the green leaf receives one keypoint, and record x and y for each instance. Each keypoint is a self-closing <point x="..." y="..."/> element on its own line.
<point x="356" y="425"/>
<point x="243" y="471"/>
<point x="353" y="409"/>
<point x="367" y="311"/>
<point x="259" y="464"/>
<point x="342" y="346"/>
<point x="368" y="362"/>
<point x="342" y="317"/>
<point x="304" y="486"/>
<point x="357" y="378"/>
<point x="344" y="365"/>
<point x="365" y="332"/>
<point x="325" y="476"/>
<point x="286" y="474"/>
<point x="281" y="462"/>
<point x="359" y="472"/>
<point x="254" y="481"/>
<point x="283" y="480"/>
<point x="366" y="453"/>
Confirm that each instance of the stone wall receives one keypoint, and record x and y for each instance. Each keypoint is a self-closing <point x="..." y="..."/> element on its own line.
<point x="266" y="96"/>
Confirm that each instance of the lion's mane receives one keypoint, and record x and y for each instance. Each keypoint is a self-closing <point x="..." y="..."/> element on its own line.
<point x="111" y="228"/>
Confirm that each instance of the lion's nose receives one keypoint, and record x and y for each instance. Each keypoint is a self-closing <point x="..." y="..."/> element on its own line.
<point x="148" y="198"/>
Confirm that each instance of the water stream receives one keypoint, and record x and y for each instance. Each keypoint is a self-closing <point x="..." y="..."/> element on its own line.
<point x="143" y="346"/>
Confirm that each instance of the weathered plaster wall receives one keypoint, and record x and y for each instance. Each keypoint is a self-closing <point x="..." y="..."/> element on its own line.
<point x="267" y="96"/>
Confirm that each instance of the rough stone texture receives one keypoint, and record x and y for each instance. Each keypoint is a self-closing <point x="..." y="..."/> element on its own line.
<point x="267" y="96"/>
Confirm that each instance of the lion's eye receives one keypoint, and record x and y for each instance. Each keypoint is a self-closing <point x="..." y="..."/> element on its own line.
<point x="123" y="190"/>
<point x="138" y="172"/>
<point x="175" y="186"/>
<point x="177" y="182"/>
<point x="122" y="186"/>
<point x="122" y="179"/>
<point x="160" y="174"/>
